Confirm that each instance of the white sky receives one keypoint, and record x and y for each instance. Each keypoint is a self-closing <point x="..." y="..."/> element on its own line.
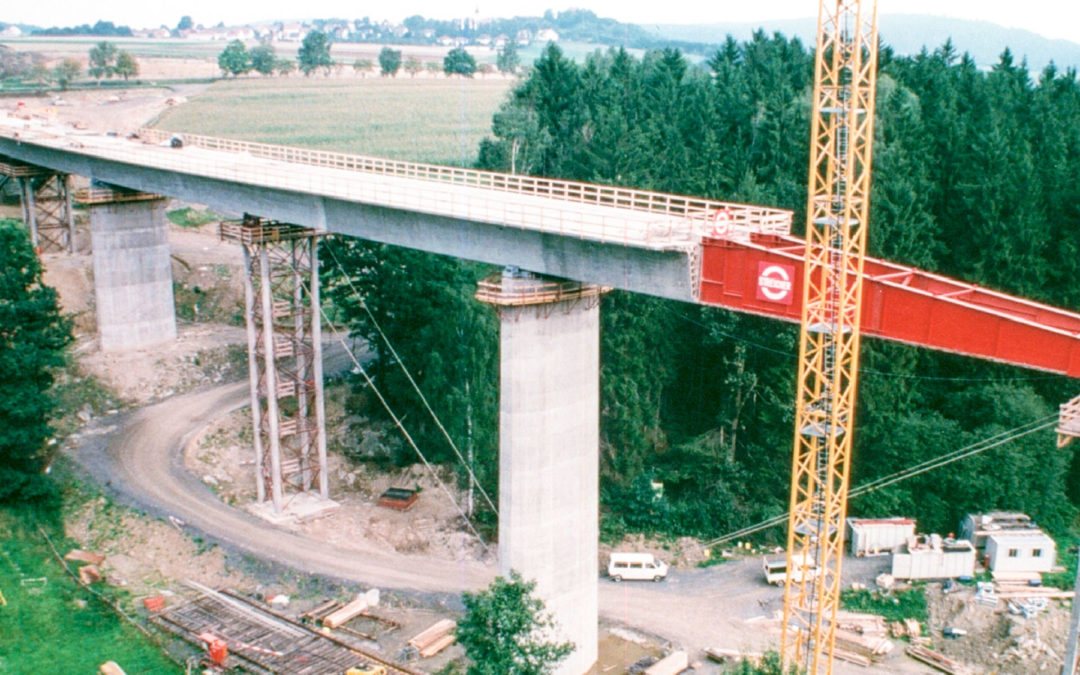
<point x="1051" y="18"/>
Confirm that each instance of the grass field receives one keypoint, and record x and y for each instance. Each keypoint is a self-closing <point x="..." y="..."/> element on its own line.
<point x="49" y="623"/>
<point x="437" y="120"/>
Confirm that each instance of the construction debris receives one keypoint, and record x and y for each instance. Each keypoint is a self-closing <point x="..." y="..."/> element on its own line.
<point x="89" y="574"/>
<point x="78" y="555"/>
<point x="908" y="628"/>
<point x="154" y="603"/>
<point x="851" y="657"/>
<point x="732" y="655"/>
<point x="936" y="660"/>
<point x="400" y="499"/>
<point x="111" y="668"/>
<point x="672" y="664"/>
<point x="868" y="646"/>
<point x="435" y="638"/>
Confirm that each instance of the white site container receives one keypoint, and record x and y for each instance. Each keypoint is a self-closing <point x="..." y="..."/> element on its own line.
<point x="869" y="536"/>
<point x="932" y="558"/>
<point x="1020" y="552"/>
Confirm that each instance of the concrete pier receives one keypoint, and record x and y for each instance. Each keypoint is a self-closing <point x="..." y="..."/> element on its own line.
<point x="549" y="448"/>
<point x="133" y="283"/>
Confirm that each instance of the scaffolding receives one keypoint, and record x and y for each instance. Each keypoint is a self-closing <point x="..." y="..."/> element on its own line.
<point x="281" y="292"/>
<point x="45" y="196"/>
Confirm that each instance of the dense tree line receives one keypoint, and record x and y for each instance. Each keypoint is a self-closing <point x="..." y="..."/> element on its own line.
<point x="101" y="28"/>
<point x="33" y="337"/>
<point x="974" y="177"/>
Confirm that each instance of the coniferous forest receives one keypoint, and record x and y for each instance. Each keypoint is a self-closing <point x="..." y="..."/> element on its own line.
<point x="976" y="176"/>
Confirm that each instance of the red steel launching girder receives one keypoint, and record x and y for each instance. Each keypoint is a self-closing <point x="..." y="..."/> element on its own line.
<point x="765" y="276"/>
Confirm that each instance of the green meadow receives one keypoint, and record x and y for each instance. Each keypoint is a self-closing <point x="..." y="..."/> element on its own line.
<point x="423" y="119"/>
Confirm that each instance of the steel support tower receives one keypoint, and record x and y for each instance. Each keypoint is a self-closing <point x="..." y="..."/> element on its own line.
<point x="45" y="196"/>
<point x="837" y="211"/>
<point x="281" y="291"/>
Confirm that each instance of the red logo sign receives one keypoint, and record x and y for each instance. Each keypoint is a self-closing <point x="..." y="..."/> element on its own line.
<point x="775" y="283"/>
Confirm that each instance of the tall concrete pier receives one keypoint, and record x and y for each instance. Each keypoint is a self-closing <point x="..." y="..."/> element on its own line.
<point x="549" y="440"/>
<point x="132" y="270"/>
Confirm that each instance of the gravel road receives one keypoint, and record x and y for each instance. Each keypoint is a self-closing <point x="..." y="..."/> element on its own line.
<point x="137" y="457"/>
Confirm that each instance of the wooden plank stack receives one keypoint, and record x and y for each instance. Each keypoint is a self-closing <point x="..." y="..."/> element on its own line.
<point x="435" y="638"/>
<point x="937" y="661"/>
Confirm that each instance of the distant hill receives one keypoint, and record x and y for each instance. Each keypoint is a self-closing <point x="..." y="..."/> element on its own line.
<point x="906" y="34"/>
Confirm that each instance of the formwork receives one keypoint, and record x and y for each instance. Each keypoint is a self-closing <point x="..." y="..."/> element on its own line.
<point x="259" y="640"/>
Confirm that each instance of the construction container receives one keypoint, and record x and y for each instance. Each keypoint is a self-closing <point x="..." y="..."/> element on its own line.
<point x="1013" y="551"/>
<point x="869" y="536"/>
<point x="934" y="558"/>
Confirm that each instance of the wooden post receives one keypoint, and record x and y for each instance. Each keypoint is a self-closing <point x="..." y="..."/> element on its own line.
<point x="271" y="380"/>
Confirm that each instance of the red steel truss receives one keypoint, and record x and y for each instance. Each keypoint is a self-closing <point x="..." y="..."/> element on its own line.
<point x="763" y="275"/>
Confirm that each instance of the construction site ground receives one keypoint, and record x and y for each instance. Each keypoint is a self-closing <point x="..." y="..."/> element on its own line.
<point x="178" y="448"/>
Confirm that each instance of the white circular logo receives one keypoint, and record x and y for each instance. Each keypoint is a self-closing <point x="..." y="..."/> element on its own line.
<point x="774" y="283"/>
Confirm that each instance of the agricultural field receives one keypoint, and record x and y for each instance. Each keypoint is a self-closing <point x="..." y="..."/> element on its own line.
<point x="423" y="119"/>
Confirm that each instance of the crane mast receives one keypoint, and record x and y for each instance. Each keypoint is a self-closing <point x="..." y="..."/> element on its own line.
<point x="837" y="212"/>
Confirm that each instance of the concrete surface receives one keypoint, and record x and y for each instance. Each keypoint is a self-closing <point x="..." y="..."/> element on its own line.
<point x="132" y="274"/>
<point x="549" y="441"/>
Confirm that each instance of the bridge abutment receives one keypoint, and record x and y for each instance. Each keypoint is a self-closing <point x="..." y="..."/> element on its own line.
<point x="133" y="285"/>
<point x="549" y="439"/>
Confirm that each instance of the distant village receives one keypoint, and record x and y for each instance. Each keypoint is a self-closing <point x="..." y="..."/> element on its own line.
<point x="468" y="31"/>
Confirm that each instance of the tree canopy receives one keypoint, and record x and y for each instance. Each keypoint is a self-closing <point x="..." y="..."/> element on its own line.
<point x="102" y="60"/>
<point x="974" y="178"/>
<point x="389" y="61"/>
<point x="33" y="337"/>
<point x="234" y="59"/>
<point x="504" y="630"/>
<point x="126" y="65"/>
<point x="459" y="62"/>
<point x="315" y="53"/>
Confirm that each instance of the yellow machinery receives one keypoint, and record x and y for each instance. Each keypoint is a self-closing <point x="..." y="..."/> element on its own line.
<point x="837" y="213"/>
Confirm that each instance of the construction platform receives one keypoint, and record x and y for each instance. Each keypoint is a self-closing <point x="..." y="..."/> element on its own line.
<point x="259" y="640"/>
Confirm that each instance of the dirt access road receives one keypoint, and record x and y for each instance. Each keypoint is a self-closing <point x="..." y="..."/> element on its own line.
<point x="138" y="457"/>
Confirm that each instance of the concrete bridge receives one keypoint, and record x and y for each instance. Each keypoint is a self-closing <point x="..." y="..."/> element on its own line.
<point x="575" y="239"/>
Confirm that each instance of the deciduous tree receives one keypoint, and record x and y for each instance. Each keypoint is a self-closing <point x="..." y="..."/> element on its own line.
<point x="126" y="65"/>
<point x="263" y="59"/>
<point x="66" y="72"/>
<point x="413" y="66"/>
<point x="315" y="53"/>
<point x="505" y="630"/>
<point x="234" y="59"/>
<point x="102" y="60"/>
<point x="459" y="62"/>
<point x="389" y="61"/>
<point x="508" y="60"/>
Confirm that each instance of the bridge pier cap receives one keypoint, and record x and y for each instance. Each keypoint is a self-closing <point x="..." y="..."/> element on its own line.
<point x="549" y="441"/>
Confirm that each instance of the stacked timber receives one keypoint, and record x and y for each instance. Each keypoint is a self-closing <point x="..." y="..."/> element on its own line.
<point x="346" y="613"/>
<point x="937" y="661"/>
<point x="868" y="646"/>
<point x="863" y="624"/>
<point x="435" y="638"/>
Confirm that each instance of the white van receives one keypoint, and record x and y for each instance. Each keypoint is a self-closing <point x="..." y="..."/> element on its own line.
<point x="636" y="567"/>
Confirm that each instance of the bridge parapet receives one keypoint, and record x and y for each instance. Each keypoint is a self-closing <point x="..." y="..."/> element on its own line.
<point x="684" y="218"/>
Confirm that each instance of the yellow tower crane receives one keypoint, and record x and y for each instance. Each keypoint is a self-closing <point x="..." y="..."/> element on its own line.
<point x="837" y="212"/>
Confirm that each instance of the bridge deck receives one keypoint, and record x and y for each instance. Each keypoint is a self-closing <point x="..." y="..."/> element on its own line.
<point x="605" y="214"/>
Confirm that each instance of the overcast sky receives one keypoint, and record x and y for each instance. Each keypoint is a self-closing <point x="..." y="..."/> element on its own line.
<point x="1051" y="18"/>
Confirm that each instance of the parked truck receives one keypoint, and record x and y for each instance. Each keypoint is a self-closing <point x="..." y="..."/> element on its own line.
<point x="776" y="571"/>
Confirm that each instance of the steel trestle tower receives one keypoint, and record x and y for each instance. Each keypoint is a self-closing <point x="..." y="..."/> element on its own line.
<point x="284" y="356"/>
<point x="838" y="208"/>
